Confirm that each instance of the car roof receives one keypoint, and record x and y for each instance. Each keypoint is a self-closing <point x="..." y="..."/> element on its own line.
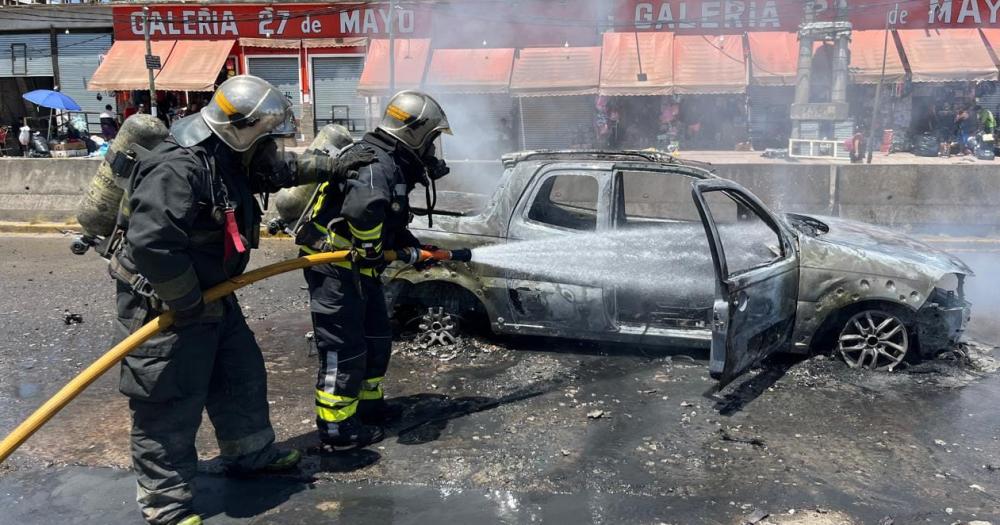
<point x="636" y="157"/>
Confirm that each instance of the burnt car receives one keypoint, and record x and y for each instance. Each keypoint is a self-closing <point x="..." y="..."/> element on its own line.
<point x="752" y="283"/>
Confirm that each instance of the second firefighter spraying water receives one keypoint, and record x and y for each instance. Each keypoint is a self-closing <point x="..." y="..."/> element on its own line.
<point x="368" y="214"/>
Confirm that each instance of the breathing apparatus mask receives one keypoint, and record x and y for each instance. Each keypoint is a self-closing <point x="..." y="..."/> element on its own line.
<point x="431" y="168"/>
<point x="268" y="160"/>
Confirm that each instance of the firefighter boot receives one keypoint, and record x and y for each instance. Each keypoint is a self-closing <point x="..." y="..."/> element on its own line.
<point x="284" y="461"/>
<point x="351" y="432"/>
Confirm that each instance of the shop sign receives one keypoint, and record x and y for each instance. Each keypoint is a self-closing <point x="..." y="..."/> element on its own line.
<point x="153" y="62"/>
<point x="262" y="21"/>
<point x="735" y="16"/>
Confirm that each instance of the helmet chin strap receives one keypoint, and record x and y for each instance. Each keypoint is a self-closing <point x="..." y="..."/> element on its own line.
<point x="430" y="191"/>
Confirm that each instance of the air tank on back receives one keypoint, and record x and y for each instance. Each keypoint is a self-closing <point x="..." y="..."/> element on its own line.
<point x="291" y="202"/>
<point x="98" y="210"/>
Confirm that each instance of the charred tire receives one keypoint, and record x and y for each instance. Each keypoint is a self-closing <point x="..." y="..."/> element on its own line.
<point x="875" y="337"/>
<point x="439" y="311"/>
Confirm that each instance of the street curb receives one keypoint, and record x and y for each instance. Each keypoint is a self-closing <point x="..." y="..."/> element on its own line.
<point x="74" y="228"/>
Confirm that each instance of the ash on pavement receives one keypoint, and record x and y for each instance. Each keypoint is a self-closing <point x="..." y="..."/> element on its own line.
<point x="512" y="430"/>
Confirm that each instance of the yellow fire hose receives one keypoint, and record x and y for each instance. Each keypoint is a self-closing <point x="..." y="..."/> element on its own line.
<point x="90" y="374"/>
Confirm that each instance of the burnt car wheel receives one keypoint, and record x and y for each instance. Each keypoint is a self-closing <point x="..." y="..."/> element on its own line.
<point x="874" y="339"/>
<point x="437" y="327"/>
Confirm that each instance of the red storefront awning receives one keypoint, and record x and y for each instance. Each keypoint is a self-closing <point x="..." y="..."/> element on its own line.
<point x="774" y="58"/>
<point x="706" y="64"/>
<point x="187" y="65"/>
<point x="992" y="36"/>
<point x="946" y="55"/>
<point x="411" y="61"/>
<point x="554" y="71"/>
<point x="620" y="64"/>
<point x="194" y="65"/>
<point x="124" y="66"/>
<point x="479" y="71"/>
<point x="866" y="58"/>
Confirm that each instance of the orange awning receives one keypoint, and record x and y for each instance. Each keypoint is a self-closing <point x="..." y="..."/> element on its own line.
<point x="992" y="36"/>
<point x="774" y="58"/>
<point x="946" y="55"/>
<point x="866" y="58"/>
<point x="478" y="71"/>
<point x="411" y="61"/>
<point x="709" y="64"/>
<point x="187" y="65"/>
<point x="620" y="64"/>
<point x="553" y="71"/>
<point x="124" y="66"/>
<point x="194" y="65"/>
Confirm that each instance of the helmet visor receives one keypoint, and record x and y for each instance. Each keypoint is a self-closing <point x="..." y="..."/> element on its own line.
<point x="287" y="127"/>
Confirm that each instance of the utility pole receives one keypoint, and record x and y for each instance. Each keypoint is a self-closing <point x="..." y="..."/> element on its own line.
<point x="878" y="88"/>
<point x="149" y="53"/>
<point x="392" y="48"/>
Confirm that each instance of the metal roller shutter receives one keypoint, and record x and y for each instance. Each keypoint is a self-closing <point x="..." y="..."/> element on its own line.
<point x="79" y="56"/>
<point x="283" y="73"/>
<point x="477" y="121"/>
<point x="557" y="122"/>
<point x="34" y="59"/>
<point x="335" y="83"/>
<point x="770" y="122"/>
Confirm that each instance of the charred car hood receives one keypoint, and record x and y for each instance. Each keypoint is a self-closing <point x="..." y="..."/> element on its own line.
<point x="853" y="246"/>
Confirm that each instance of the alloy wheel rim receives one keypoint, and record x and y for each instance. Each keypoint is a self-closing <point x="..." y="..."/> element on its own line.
<point x="436" y="327"/>
<point x="874" y="340"/>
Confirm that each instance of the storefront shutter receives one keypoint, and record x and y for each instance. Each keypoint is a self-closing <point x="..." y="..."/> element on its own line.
<point x="990" y="99"/>
<point x="335" y="83"/>
<point x="557" y="122"/>
<point x="770" y="118"/>
<point x="283" y="73"/>
<point x="32" y="58"/>
<point x="79" y="56"/>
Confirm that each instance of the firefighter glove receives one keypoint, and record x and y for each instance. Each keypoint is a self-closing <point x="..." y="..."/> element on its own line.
<point x="408" y="255"/>
<point x="352" y="159"/>
<point x="190" y="314"/>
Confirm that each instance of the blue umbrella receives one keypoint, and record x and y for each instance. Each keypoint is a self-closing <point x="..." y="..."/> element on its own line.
<point x="51" y="99"/>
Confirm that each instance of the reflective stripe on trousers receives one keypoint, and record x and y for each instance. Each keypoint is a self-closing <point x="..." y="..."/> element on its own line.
<point x="353" y="339"/>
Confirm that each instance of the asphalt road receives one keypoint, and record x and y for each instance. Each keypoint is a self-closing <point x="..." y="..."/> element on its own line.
<point x="517" y="431"/>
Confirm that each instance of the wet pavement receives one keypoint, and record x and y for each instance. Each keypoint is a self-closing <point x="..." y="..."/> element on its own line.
<point x="516" y="431"/>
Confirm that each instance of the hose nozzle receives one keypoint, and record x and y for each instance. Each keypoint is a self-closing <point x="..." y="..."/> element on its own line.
<point x="460" y="255"/>
<point x="406" y="255"/>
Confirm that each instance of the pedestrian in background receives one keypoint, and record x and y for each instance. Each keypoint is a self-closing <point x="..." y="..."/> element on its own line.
<point x="109" y="123"/>
<point x="987" y="122"/>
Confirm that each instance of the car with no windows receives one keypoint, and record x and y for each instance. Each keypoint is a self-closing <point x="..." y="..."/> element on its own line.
<point x="733" y="276"/>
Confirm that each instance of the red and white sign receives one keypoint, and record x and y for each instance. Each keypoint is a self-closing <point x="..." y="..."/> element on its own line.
<point x="277" y="21"/>
<point x="734" y="16"/>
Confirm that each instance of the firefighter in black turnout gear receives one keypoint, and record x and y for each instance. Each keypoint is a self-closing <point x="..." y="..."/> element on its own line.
<point x="368" y="215"/>
<point x="189" y="221"/>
